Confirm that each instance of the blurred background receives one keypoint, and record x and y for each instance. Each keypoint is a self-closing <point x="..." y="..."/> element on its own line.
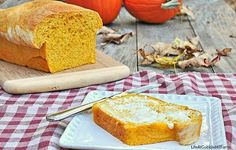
<point x="9" y="3"/>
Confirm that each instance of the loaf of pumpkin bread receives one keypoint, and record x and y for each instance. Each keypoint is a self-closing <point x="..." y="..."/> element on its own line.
<point x="48" y="35"/>
<point x="137" y="119"/>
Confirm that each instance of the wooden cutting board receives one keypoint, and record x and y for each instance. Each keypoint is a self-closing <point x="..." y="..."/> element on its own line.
<point x="18" y="80"/>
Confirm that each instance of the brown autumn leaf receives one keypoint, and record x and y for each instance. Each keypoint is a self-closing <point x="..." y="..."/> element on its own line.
<point x="168" y="54"/>
<point x="125" y="37"/>
<point x="177" y="47"/>
<point x="224" y="52"/>
<point x="109" y="35"/>
<point x="203" y="60"/>
<point x="146" y="62"/>
<point x="190" y="43"/>
<point x="165" y="49"/>
<point x="181" y="54"/>
<point x="142" y="53"/>
<point x="116" y="38"/>
<point x="150" y="58"/>
<point x="147" y="58"/>
<point x="106" y="30"/>
<point x="186" y="11"/>
<point x="213" y="61"/>
<point x="193" y="62"/>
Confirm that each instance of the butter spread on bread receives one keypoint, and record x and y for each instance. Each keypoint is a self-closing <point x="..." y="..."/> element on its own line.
<point x="48" y="35"/>
<point x="137" y="119"/>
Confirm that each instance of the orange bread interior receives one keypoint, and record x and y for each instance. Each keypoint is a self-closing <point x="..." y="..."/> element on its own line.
<point x="48" y="35"/>
<point x="137" y="119"/>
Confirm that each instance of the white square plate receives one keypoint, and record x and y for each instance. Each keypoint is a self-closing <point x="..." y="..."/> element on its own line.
<point x="83" y="133"/>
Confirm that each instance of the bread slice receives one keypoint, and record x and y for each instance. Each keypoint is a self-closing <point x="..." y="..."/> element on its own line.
<point x="136" y="119"/>
<point x="48" y="35"/>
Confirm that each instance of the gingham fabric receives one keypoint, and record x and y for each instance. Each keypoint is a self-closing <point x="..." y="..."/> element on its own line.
<point x="22" y="117"/>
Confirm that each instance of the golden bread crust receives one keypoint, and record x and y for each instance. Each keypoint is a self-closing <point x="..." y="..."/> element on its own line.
<point x="26" y="17"/>
<point x="22" y="55"/>
<point x="114" y="127"/>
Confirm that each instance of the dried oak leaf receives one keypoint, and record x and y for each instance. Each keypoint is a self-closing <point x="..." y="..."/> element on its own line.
<point x="146" y="62"/>
<point x="106" y="30"/>
<point x="165" y="49"/>
<point x="189" y="47"/>
<point x="213" y="61"/>
<point x="200" y="61"/>
<point x="116" y="38"/>
<point x="186" y="11"/>
<point x="142" y="53"/>
<point x="112" y="36"/>
<point x="168" y="54"/>
<point x="224" y="52"/>
<point x="147" y="58"/>
<point x="196" y="62"/>
<point x="190" y="44"/>
<point x="125" y="37"/>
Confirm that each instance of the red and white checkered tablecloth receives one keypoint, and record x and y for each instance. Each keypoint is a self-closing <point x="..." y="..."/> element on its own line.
<point x="22" y="117"/>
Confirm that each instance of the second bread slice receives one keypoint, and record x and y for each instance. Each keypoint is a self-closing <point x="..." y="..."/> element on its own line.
<point x="137" y="119"/>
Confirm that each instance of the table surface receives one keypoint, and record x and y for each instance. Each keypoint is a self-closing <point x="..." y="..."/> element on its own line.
<point x="215" y="24"/>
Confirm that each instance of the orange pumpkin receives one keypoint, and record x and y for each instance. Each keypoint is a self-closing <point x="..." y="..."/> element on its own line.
<point x="107" y="9"/>
<point x="151" y="11"/>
